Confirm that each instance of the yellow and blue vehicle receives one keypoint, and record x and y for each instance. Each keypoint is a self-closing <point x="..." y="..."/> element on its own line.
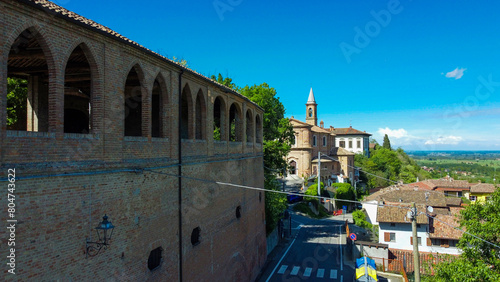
<point x="366" y="270"/>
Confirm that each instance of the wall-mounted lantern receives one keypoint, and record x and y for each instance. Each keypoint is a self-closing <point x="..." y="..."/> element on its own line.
<point x="104" y="232"/>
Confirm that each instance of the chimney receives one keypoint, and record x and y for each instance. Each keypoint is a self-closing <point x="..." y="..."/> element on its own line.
<point x="321" y="124"/>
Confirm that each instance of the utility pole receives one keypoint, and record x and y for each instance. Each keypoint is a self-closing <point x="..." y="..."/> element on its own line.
<point x="416" y="257"/>
<point x="319" y="175"/>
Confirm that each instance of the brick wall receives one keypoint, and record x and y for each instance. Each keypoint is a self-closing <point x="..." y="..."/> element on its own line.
<point x="67" y="182"/>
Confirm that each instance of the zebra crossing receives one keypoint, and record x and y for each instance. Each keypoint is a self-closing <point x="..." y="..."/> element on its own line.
<point x="308" y="272"/>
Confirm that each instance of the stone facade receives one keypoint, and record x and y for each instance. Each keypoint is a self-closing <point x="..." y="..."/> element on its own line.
<point x="128" y="108"/>
<point x="336" y="163"/>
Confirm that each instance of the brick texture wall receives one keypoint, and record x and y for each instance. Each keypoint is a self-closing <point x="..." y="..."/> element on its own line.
<point x="67" y="182"/>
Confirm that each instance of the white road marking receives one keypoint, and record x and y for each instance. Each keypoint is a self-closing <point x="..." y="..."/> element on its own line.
<point x="282" y="269"/>
<point x="341" y="278"/>
<point x="295" y="270"/>
<point x="307" y="272"/>
<point x="280" y="261"/>
<point x="333" y="274"/>
<point x="321" y="273"/>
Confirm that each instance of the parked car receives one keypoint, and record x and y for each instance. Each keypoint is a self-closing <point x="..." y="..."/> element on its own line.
<point x="294" y="198"/>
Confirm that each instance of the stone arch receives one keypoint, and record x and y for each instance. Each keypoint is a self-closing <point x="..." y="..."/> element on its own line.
<point x="80" y="76"/>
<point x="200" y="116"/>
<point x="159" y="107"/>
<point x="249" y="126"/>
<point x="186" y="117"/>
<point x="235" y="124"/>
<point x="219" y="117"/>
<point x="30" y="66"/>
<point x="134" y="94"/>
<point x="258" y="131"/>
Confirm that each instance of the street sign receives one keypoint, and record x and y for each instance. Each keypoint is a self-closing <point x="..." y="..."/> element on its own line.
<point x="353" y="236"/>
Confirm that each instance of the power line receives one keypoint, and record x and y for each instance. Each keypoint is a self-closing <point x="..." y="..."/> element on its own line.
<point x="317" y="197"/>
<point x="456" y="228"/>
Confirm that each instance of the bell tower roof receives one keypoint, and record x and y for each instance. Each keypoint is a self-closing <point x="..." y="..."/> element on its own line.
<point x="311" y="99"/>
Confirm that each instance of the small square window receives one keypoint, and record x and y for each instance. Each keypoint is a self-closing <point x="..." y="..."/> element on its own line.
<point x="393" y="224"/>
<point x="473" y="198"/>
<point x="392" y="237"/>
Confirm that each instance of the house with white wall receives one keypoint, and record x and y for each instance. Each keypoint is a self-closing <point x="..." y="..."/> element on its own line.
<point x="353" y="140"/>
<point x="389" y="209"/>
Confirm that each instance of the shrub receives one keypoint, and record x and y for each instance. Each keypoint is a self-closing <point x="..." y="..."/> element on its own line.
<point x="359" y="218"/>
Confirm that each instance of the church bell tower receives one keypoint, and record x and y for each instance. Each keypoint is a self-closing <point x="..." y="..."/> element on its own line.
<point x="311" y="108"/>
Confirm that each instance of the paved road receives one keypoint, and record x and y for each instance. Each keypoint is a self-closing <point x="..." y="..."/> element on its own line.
<point x="316" y="253"/>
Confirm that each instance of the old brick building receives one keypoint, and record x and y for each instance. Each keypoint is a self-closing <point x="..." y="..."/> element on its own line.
<point x="106" y="128"/>
<point x="337" y="163"/>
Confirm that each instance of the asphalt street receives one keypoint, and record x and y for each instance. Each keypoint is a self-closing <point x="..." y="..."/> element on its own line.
<point x="315" y="253"/>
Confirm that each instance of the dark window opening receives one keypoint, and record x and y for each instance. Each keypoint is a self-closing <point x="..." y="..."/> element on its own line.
<point x="342" y="144"/>
<point x="185" y="113"/>
<point x="133" y="104"/>
<point x="310" y="112"/>
<point x="77" y="93"/>
<point x="155" y="259"/>
<point x="238" y="212"/>
<point x="218" y="119"/>
<point x="195" y="236"/>
<point x="27" y="85"/>
<point x="293" y="167"/>
<point x="200" y="116"/>
<point x="234" y="124"/>
<point x="249" y="127"/>
<point x="314" y="140"/>
<point x="156" y="109"/>
<point x="258" y="125"/>
<point x="260" y="196"/>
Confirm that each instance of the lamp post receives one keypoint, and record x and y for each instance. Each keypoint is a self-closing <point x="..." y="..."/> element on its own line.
<point x="105" y="227"/>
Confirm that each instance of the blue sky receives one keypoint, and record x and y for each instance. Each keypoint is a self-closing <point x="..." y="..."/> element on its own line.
<point x="427" y="73"/>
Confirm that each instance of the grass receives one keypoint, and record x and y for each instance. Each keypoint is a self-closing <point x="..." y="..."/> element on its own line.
<point x="303" y="207"/>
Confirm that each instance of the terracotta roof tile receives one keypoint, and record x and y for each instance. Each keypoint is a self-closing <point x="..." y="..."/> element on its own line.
<point x="444" y="183"/>
<point x="347" y="131"/>
<point x="442" y="228"/>
<point x="453" y="201"/>
<point x="398" y="214"/>
<point x="482" y="188"/>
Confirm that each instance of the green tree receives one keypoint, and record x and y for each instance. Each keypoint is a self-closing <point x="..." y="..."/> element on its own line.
<point x="479" y="260"/>
<point x="182" y="62"/>
<point x="228" y="82"/>
<point x="344" y="192"/>
<point x="387" y="143"/>
<point x="17" y="95"/>
<point x="359" y="218"/>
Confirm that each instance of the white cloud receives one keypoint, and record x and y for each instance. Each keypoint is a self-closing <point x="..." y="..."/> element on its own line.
<point x="393" y="133"/>
<point x="446" y="140"/>
<point x="456" y="73"/>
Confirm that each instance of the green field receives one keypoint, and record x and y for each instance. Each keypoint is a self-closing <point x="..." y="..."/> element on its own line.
<point x="480" y="170"/>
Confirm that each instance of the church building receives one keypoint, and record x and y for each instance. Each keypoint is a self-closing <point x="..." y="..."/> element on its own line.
<point x="313" y="141"/>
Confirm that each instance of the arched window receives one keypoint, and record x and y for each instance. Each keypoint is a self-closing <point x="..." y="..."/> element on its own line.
<point x="219" y="119"/>
<point x="133" y="103"/>
<point x="249" y="126"/>
<point x="156" y="109"/>
<point x="201" y="116"/>
<point x="324" y="141"/>
<point x="314" y="140"/>
<point x="310" y="112"/>
<point x="27" y="84"/>
<point x="186" y="117"/>
<point x="77" y="93"/>
<point x="234" y="123"/>
<point x="293" y="167"/>
<point x="258" y="125"/>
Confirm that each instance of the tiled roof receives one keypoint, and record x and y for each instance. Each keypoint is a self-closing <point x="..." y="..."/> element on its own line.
<point x="453" y="201"/>
<point x="444" y="183"/>
<point x="482" y="188"/>
<point x="406" y="195"/>
<point x="339" y="151"/>
<point x="63" y="13"/>
<point x="398" y="214"/>
<point x="315" y="128"/>
<point x="347" y="131"/>
<point x="442" y="228"/>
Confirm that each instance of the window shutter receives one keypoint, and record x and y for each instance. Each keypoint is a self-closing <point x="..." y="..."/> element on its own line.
<point x="387" y="237"/>
<point x="411" y="240"/>
<point x="429" y="243"/>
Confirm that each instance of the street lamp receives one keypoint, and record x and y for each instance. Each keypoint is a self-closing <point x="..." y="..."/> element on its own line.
<point x="103" y="229"/>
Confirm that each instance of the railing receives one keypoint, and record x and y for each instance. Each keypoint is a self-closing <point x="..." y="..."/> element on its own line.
<point x="391" y="265"/>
